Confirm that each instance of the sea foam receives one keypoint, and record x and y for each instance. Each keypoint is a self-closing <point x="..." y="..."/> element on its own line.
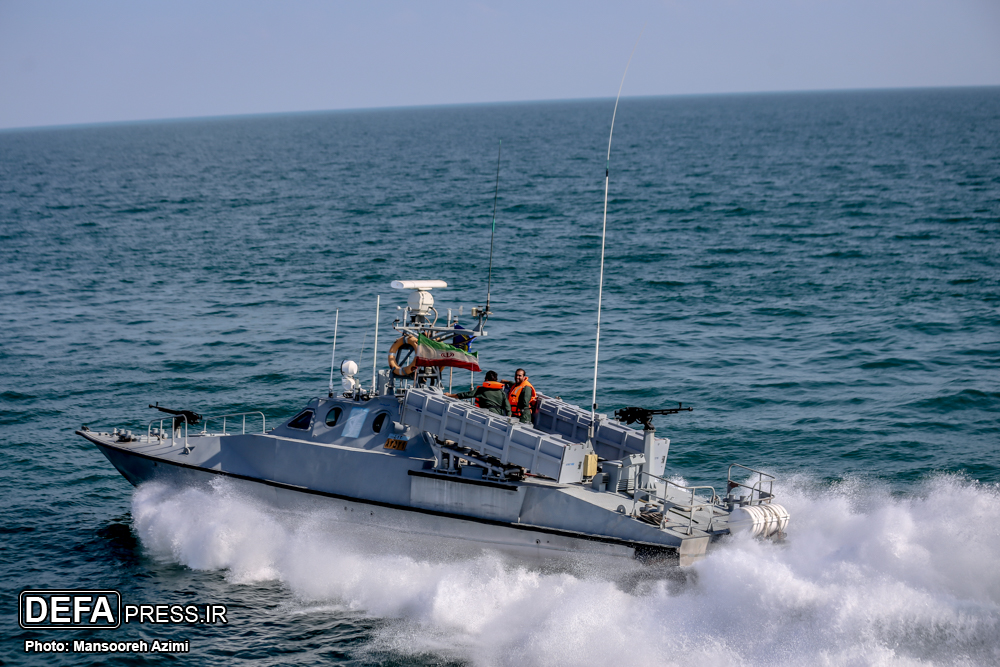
<point x="864" y="578"/>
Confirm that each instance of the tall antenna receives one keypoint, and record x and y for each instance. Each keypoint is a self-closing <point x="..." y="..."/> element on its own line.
<point x="378" y="300"/>
<point x="333" y="356"/>
<point x="604" y="231"/>
<point x="496" y="193"/>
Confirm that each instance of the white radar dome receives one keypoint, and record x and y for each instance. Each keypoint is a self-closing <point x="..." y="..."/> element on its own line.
<point x="349" y="368"/>
<point x="420" y="301"/>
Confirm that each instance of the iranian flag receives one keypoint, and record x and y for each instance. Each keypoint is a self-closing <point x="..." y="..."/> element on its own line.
<point x="435" y="353"/>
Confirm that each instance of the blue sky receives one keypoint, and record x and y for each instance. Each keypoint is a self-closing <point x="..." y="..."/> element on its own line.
<point x="103" y="61"/>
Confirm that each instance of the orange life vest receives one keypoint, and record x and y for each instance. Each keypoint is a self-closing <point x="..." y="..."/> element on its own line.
<point x="515" y="396"/>
<point x="489" y="385"/>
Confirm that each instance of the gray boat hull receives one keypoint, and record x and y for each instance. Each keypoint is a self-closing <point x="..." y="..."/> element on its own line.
<point x="535" y="520"/>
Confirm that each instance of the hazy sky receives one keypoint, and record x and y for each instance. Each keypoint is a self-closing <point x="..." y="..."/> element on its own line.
<point x="98" y="61"/>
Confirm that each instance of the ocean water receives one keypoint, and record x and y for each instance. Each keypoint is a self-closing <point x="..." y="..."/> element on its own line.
<point x="817" y="274"/>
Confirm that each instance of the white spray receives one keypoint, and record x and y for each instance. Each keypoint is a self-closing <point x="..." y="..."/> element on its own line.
<point x="865" y="578"/>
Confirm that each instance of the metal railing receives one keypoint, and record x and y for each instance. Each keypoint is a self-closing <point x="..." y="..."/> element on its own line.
<point x="651" y="492"/>
<point x="227" y="419"/>
<point x="755" y="487"/>
<point x="173" y="432"/>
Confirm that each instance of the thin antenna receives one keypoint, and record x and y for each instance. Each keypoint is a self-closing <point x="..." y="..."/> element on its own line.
<point x="378" y="300"/>
<point x="496" y="193"/>
<point x="361" y="357"/>
<point x="604" y="231"/>
<point x="333" y="356"/>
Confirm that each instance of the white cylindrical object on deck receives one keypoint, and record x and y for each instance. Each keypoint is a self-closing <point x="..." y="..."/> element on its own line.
<point x="759" y="520"/>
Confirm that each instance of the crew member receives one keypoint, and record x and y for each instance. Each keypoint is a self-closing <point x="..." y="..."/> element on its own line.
<point x="521" y="396"/>
<point x="489" y="395"/>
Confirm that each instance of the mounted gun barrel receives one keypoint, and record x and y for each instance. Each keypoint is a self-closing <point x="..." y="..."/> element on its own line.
<point x="191" y="417"/>
<point x="644" y="416"/>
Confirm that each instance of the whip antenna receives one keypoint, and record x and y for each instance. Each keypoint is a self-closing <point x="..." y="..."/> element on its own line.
<point x="378" y="301"/>
<point x="493" y="231"/>
<point x="604" y="231"/>
<point x="333" y="356"/>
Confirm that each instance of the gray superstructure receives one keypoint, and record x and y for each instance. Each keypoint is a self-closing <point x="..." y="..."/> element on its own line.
<point x="404" y="455"/>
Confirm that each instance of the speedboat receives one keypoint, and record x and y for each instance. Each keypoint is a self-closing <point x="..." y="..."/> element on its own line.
<point x="401" y="454"/>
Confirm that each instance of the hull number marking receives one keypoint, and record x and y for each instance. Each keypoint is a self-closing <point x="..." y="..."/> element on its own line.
<point x="392" y="443"/>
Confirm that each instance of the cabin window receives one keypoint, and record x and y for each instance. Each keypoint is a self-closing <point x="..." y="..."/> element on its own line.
<point x="379" y="421"/>
<point x="302" y="421"/>
<point x="333" y="416"/>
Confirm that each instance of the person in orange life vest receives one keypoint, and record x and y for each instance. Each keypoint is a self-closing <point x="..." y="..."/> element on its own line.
<point x="489" y="395"/>
<point x="521" y="396"/>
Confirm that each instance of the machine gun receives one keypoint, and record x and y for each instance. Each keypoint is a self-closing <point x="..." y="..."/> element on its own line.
<point x="191" y="417"/>
<point x="644" y="416"/>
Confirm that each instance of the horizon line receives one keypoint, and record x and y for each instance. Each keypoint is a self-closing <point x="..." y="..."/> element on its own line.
<point x="264" y="114"/>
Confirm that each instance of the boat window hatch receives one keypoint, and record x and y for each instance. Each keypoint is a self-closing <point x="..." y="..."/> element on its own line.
<point x="333" y="416"/>
<point x="302" y="420"/>
<point x="379" y="421"/>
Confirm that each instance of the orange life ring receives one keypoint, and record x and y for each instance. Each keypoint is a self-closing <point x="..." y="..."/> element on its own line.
<point x="409" y="369"/>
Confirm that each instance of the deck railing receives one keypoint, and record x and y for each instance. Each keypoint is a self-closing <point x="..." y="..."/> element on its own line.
<point x="234" y="418"/>
<point x="173" y="434"/>
<point x="650" y="494"/>
<point x="755" y="487"/>
<point x="172" y="431"/>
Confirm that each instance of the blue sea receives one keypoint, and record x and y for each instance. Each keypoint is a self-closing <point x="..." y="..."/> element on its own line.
<point x="816" y="274"/>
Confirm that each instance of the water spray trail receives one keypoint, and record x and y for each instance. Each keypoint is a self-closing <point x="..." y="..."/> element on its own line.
<point x="864" y="578"/>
